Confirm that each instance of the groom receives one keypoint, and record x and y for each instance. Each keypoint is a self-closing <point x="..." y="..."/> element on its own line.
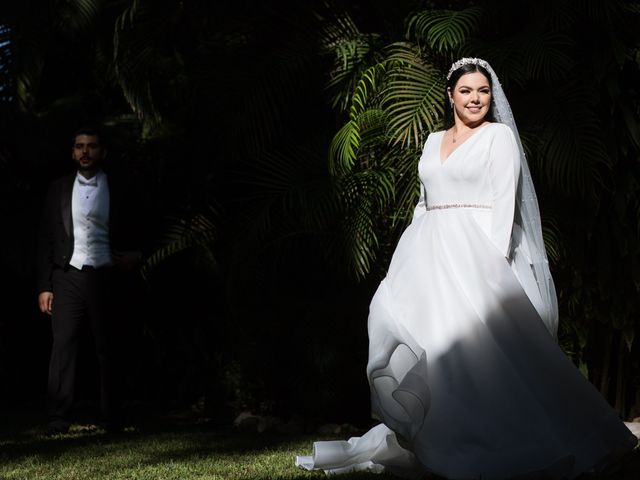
<point x="83" y="223"/>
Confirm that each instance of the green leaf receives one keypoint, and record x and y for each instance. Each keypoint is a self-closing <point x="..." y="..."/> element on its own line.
<point x="367" y="88"/>
<point x="344" y="148"/>
<point x="444" y="30"/>
<point x="413" y="98"/>
<point x="551" y="236"/>
<point x="573" y="153"/>
<point x="79" y="15"/>
<point x="182" y="233"/>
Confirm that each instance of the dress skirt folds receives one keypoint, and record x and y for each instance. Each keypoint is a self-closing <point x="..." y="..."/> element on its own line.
<point x="465" y="377"/>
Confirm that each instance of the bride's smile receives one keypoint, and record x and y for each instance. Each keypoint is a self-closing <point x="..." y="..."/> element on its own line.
<point x="471" y="98"/>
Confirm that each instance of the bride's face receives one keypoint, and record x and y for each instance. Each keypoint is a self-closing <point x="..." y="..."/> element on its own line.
<point x="471" y="97"/>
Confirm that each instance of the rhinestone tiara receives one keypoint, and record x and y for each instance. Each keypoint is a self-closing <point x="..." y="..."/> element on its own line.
<point x="467" y="61"/>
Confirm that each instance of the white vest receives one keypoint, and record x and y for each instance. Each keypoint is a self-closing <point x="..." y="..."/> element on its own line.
<point x="90" y="214"/>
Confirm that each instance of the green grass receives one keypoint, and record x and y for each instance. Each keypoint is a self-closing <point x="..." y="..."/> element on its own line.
<point x="175" y="455"/>
<point x="164" y="452"/>
<point x="170" y="450"/>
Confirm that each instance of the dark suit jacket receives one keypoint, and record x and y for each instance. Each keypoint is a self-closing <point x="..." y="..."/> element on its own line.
<point x="55" y="242"/>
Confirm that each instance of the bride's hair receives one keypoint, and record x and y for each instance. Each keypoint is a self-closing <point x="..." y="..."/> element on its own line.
<point x="451" y="83"/>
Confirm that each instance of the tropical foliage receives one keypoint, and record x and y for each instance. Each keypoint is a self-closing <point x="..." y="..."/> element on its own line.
<point x="201" y="104"/>
<point x="570" y="81"/>
<point x="276" y="147"/>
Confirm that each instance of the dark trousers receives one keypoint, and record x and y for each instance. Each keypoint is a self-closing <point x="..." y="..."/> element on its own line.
<point x="81" y="297"/>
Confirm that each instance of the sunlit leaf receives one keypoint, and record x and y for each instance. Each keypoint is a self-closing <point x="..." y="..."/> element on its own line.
<point x="413" y="98"/>
<point x="444" y="30"/>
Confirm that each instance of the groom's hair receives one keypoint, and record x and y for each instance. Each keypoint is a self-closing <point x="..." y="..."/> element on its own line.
<point x="88" y="130"/>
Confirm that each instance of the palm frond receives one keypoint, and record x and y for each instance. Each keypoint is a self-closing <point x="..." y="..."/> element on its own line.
<point x="362" y="239"/>
<point x="351" y="50"/>
<point x="336" y="27"/>
<point x="556" y="16"/>
<point x="78" y="15"/>
<point x="265" y="94"/>
<point x="356" y="139"/>
<point x="407" y="186"/>
<point x="367" y="88"/>
<point x="288" y="202"/>
<point x="373" y="128"/>
<point x="344" y="147"/>
<point x="444" y="30"/>
<point x="551" y="235"/>
<point x="28" y="80"/>
<point x="351" y="58"/>
<point x="134" y="55"/>
<point x="292" y="182"/>
<point x="413" y="98"/>
<point x="290" y="178"/>
<point x="182" y="233"/>
<point x="378" y="184"/>
<point x="546" y="56"/>
<point x="603" y="11"/>
<point x="632" y="7"/>
<point x="366" y="194"/>
<point x="341" y="38"/>
<point x="573" y="154"/>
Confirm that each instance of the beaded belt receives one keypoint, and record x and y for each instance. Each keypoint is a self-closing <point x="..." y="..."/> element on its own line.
<point x="457" y="205"/>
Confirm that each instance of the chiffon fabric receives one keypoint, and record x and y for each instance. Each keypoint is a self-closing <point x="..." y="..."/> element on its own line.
<point x="465" y="377"/>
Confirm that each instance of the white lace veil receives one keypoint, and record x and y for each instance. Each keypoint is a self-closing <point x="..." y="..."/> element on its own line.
<point x="528" y="255"/>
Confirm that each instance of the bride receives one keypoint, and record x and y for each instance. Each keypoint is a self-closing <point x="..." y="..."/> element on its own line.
<point x="465" y="373"/>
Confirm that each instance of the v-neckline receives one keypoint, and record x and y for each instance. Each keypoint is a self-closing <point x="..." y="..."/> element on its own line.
<point x="446" y="160"/>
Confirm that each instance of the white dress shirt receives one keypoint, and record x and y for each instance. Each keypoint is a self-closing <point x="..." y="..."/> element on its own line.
<point x="90" y="214"/>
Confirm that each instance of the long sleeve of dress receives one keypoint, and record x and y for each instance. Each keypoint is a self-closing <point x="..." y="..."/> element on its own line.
<point x="504" y="169"/>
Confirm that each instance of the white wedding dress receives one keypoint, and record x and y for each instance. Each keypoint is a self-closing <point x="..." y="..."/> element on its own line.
<point x="464" y="375"/>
